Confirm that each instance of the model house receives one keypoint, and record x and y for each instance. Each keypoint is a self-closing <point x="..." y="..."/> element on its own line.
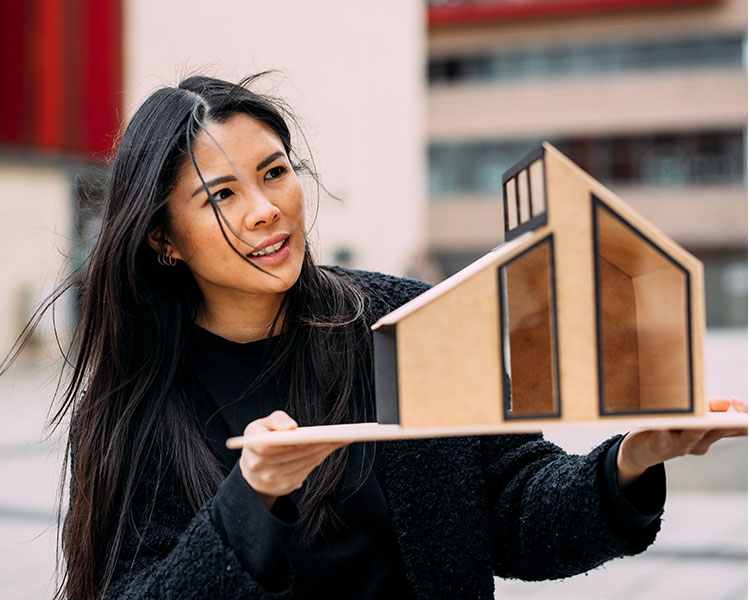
<point x="586" y="311"/>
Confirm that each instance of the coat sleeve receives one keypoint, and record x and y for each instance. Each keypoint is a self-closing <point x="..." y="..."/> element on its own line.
<point x="553" y="514"/>
<point x="171" y="553"/>
<point x="198" y="565"/>
<point x="179" y="556"/>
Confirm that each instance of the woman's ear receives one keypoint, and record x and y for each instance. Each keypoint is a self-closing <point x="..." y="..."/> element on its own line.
<point x="156" y="240"/>
<point x="159" y="242"/>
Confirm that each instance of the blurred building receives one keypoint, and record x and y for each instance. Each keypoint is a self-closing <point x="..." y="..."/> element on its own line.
<point x="74" y="71"/>
<point x="412" y="110"/>
<point x="61" y="77"/>
<point x="649" y="96"/>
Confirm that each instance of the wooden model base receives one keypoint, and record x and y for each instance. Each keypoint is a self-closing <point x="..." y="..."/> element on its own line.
<point x="369" y="432"/>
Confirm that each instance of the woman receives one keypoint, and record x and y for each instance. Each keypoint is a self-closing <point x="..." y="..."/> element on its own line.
<point x="203" y="317"/>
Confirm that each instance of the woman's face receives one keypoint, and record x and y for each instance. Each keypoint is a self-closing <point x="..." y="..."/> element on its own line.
<point x="252" y="181"/>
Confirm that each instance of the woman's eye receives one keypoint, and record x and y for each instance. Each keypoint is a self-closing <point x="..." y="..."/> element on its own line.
<point x="275" y="173"/>
<point x="222" y="194"/>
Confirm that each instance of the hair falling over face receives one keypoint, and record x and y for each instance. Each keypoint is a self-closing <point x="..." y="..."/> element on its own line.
<point x="129" y="382"/>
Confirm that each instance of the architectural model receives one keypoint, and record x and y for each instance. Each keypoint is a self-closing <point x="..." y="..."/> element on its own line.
<point x="585" y="312"/>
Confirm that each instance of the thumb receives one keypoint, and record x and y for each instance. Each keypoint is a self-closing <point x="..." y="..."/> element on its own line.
<point x="717" y="404"/>
<point x="276" y="421"/>
<point x="279" y="420"/>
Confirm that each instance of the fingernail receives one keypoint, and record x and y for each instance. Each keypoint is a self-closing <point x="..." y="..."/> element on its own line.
<point x="285" y="422"/>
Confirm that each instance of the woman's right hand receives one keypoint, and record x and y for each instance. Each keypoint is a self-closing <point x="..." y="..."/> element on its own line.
<point x="274" y="471"/>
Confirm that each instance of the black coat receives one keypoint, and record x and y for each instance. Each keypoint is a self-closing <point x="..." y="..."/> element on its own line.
<point x="464" y="509"/>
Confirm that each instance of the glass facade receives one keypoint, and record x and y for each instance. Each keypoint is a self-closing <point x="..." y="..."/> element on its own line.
<point x="726" y="288"/>
<point x="690" y="158"/>
<point x="569" y="60"/>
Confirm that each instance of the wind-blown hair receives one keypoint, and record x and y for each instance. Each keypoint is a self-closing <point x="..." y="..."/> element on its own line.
<point x="130" y="386"/>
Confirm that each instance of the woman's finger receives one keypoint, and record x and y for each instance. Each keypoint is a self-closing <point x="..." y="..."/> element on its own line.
<point x="717" y="404"/>
<point x="702" y="445"/>
<point x="257" y="462"/>
<point x="721" y="404"/>
<point x="278" y="480"/>
<point x="273" y="470"/>
<point x="680" y="441"/>
<point x="278" y="420"/>
<point x="279" y="455"/>
<point x="295" y="476"/>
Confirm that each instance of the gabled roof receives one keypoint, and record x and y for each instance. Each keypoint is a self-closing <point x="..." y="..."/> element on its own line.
<point x="454" y="280"/>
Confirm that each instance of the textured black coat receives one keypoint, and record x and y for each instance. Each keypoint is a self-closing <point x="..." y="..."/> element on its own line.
<point x="464" y="509"/>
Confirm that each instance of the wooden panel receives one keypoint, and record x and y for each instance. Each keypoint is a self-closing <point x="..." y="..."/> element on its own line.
<point x="619" y="340"/>
<point x="531" y="340"/>
<point x="698" y="327"/>
<point x="662" y="339"/>
<point x="511" y="207"/>
<point x="524" y="202"/>
<point x="538" y="192"/>
<point x="692" y="265"/>
<point x="569" y="216"/>
<point x="449" y="357"/>
<point x="665" y="396"/>
<point x="624" y="248"/>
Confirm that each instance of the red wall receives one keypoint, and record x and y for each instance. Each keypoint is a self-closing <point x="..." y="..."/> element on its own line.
<point x="477" y="11"/>
<point x="60" y="76"/>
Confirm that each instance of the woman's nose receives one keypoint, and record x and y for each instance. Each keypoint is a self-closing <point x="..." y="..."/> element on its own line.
<point x="260" y="211"/>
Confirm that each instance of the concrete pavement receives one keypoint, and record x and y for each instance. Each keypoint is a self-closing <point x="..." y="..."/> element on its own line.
<point x="701" y="553"/>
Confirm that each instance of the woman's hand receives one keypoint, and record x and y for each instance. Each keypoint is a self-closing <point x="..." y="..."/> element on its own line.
<point x="640" y="450"/>
<point x="274" y="471"/>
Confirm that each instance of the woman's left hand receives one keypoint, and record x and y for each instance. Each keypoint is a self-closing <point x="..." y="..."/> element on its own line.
<point x="640" y="450"/>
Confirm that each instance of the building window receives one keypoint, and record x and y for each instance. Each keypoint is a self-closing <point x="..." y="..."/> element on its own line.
<point x="88" y="190"/>
<point x="655" y="159"/>
<point x="726" y="288"/>
<point x="569" y="60"/>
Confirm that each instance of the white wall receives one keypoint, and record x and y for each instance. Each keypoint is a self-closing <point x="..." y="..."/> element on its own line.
<point x="35" y="234"/>
<point x="354" y="73"/>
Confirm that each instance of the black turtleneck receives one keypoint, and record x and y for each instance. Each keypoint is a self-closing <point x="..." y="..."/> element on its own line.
<point x="358" y="552"/>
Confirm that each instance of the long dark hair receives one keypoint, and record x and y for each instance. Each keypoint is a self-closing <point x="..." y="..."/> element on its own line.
<point x="129" y="388"/>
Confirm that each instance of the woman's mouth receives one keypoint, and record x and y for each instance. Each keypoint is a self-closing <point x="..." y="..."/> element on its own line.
<point x="272" y="249"/>
<point x="271" y="255"/>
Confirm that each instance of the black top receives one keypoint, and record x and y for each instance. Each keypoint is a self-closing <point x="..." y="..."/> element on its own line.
<point x="360" y="554"/>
